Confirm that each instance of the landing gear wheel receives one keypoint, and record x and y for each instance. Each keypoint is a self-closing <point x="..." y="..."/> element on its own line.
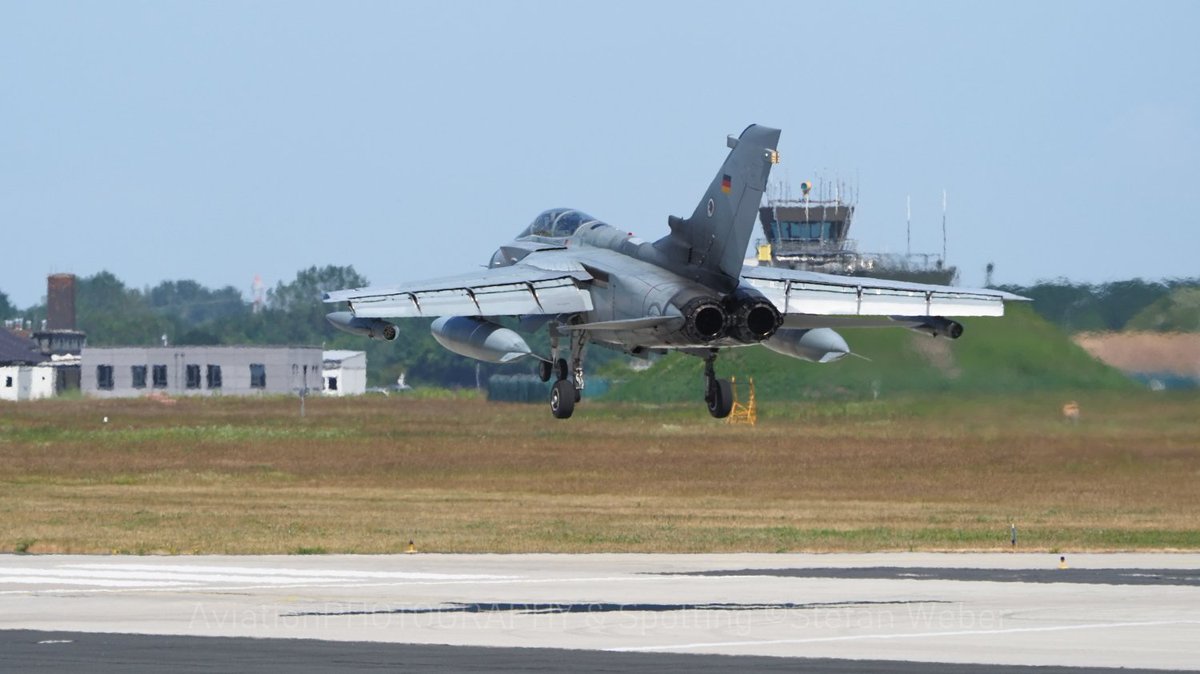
<point x="562" y="399"/>
<point x="561" y="370"/>
<point x="719" y="398"/>
<point x="545" y="370"/>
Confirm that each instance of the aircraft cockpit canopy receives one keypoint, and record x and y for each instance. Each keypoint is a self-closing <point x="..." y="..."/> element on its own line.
<point x="558" y="223"/>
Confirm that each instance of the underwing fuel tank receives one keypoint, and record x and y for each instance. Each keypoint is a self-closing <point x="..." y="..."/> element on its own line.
<point x="479" y="339"/>
<point x="375" y="328"/>
<point x="818" y="345"/>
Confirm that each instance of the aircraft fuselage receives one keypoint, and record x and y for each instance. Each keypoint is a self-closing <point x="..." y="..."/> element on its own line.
<point x="633" y="280"/>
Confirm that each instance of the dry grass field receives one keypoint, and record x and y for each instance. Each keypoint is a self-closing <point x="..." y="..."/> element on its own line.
<point x="367" y="475"/>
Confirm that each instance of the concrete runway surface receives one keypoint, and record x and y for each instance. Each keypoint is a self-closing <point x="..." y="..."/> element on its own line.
<point x="836" y="612"/>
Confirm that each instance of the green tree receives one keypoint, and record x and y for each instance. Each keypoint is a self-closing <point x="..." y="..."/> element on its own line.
<point x="1122" y="300"/>
<point x="1110" y="306"/>
<point x="113" y="315"/>
<point x="310" y="284"/>
<point x="1177" y="312"/>
<point x="1072" y="307"/>
<point x="7" y="310"/>
<point x="190" y="303"/>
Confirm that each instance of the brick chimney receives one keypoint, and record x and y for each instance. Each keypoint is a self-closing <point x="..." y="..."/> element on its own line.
<point x="60" y="302"/>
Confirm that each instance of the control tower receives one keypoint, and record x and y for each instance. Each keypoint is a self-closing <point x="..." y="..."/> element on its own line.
<point x="812" y="234"/>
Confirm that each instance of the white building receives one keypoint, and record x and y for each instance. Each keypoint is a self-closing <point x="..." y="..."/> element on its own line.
<point x="26" y="382"/>
<point x="25" y="372"/>
<point x="126" y="372"/>
<point x="345" y="373"/>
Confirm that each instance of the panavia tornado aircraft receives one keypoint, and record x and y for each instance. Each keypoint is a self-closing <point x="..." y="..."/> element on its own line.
<point x="586" y="281"/>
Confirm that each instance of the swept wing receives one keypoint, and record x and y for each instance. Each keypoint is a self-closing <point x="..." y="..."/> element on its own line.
<point x="800" y="293"/>
<point x="503" y="291"/>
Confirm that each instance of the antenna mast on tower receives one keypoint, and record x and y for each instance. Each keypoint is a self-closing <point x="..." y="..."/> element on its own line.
<point x="908" y="227"/>
<point x="943" y="225"/>
<point x="258" y="293"/>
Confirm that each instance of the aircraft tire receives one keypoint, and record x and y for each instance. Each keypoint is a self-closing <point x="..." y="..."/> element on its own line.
<point x="720" y="398"/>
<point x="562" y="399"/>
<point x="561" y="369"/>
<point x="545" y="370"/>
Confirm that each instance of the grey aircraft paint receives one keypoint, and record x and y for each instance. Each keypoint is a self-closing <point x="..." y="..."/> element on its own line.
<point x="587" y="281"/>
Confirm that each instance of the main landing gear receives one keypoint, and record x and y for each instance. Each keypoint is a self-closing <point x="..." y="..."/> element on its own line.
<point x="568" y="384"/>
<point x="718" y="393"/>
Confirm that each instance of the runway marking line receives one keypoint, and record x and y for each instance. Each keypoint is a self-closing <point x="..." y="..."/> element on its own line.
<point x="908" y="635"/>
<point x="121" y="577"/>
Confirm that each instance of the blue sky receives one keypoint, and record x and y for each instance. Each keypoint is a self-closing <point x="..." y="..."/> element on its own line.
<point x="215" y="141"/>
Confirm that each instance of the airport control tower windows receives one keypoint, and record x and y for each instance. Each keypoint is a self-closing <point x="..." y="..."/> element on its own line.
<point x="812" y="231"/>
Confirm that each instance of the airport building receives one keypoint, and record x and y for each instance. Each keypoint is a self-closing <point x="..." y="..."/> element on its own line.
<point x="125" y="372"/>
<point x="345" y="373"/>
<point x="25" y="373"/>
<point x="43" y="363"/>
<point x="811" y="233"/>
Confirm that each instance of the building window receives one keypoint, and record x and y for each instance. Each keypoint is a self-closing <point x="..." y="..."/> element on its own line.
<point x="332" y="385"/>
<point x="8" y="382"/>
<point x="258" y="375"/>
<point x="104" y="377"/>
<point x="138" y="373"/>
<point x="193" y="376"/>
<point x="160" y="376"/>
<point x="214" y="376"/>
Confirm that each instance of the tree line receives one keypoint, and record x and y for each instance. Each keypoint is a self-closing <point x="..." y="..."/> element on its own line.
<point x="188" y="313"/>
<point x="185" y="312"/>
<point x="1171" y="305"/>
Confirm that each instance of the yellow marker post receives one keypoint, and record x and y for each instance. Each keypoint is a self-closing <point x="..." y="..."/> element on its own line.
<point x="412" y="549"/>
<point x="1062" y="562"/>
<point x="742" y="413"/>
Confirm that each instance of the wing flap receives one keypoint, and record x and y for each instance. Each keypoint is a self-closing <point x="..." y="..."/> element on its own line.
<point x="796" y="292"/>
<point x="508" y="291"/>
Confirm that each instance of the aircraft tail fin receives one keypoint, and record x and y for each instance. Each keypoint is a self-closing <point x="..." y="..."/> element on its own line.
<point x="715" y="237"/>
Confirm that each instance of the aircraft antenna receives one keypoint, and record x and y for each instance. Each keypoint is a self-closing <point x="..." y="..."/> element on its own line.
<point x="908" y="227"/>
<point x="258" y="293"/>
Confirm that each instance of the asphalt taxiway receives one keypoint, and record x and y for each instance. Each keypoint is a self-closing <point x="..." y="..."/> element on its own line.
<point x="870" y="612"/>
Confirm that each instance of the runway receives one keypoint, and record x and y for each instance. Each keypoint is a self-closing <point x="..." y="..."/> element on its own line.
<point x="869" y="612"/>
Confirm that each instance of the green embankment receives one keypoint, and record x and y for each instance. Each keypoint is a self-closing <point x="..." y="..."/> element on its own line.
<point x="1017" y="353"/>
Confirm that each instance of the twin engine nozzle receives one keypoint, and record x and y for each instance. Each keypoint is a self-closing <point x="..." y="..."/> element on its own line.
<point x="745" y="316"/>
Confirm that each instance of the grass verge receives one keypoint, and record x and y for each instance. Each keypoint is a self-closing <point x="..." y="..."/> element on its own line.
<point x="367" y="475"/>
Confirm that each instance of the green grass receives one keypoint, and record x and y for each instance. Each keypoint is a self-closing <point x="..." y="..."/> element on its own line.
<point x="1019" y="353"/>
<point x="947" y="471"/>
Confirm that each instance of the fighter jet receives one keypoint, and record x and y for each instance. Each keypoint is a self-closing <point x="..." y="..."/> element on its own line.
<point x="586" y="281"/>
